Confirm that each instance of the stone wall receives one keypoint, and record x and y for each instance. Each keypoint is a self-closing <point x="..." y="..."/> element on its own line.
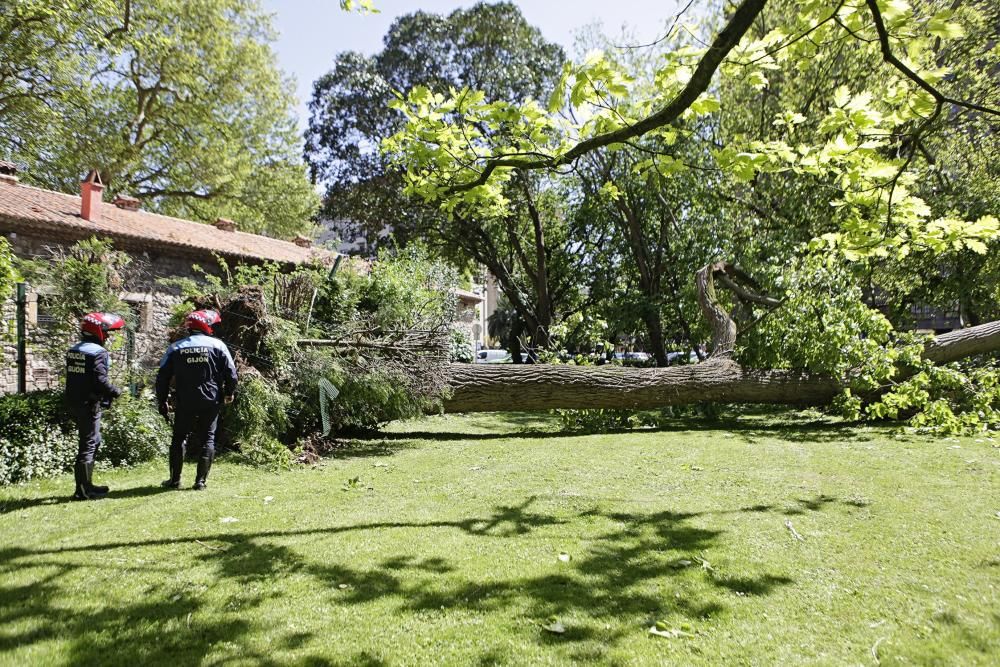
<point x="150" y="300"/>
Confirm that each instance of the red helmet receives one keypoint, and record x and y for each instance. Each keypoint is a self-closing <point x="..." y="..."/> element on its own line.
<point x="99" y="324"/>
<point x="202" y="320"/>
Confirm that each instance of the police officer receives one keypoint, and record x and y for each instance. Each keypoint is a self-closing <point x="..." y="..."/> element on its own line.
<point x="204" y="376"/>
<point x="88" y="391"/>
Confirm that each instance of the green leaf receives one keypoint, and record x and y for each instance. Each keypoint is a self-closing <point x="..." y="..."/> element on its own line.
<point x="841" y="96"/>
<point x="940" y="26"/>
<point x="705" y="105"/>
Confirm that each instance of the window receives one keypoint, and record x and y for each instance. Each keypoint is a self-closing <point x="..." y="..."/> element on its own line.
<point x="141" y="309"/>
<point x="44" y="316"/>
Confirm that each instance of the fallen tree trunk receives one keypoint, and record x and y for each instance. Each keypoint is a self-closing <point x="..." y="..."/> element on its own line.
<point x="480" y="388"/>
<point x="486" y="388"/>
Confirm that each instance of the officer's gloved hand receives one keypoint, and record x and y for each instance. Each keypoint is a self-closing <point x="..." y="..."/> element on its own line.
<point x="116" y="392"/>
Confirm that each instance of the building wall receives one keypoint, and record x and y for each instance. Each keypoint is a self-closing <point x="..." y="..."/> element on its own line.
<point x="151" y="301"/>
<point x="466" y="319"/>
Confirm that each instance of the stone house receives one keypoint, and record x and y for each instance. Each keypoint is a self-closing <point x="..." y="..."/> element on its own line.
<point x="38" y="222"/>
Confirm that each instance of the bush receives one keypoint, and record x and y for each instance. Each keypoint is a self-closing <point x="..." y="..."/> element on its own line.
<point x="133" y="432"/>
<point x="40" y="450"/>
<point x="265" y="452"/>
<point x="254" y="422"/>
<point x="371" y="398"/>
<point x="371" y="394"/>
<point x="20" y="412"/>
<point x="599" y="420"/>
<point x="36" y="436"/>
<point x="602" y="420"/>
<point x="461" y="347"/>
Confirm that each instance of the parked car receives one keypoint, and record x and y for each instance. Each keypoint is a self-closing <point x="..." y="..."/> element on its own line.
<point x="493" y="357"/>
<point x="690" y="357"/>
<point x="632" y="356"/>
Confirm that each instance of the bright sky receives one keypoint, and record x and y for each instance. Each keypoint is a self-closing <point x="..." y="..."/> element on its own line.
<point x="313" y="31"/>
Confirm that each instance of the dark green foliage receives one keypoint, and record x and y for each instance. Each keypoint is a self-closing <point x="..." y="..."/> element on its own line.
<point x="487" y="46"/>
<point x="608" y="420"/>
<point x="19" y="411"/>
<point x="133" y="432"/>
<point x="256" y="420"/>
<point x="599" y="421"/>
<point x="375" y="397"/>
<point x="38" y="437"/>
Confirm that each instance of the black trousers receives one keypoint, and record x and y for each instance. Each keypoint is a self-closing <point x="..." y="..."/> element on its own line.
<point x="194" y="426"/>
<point x="88" y="427"/>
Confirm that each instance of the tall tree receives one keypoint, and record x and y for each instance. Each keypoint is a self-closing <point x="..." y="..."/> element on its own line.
<point x="177" y="102"/>
<point x="489" y="47"/>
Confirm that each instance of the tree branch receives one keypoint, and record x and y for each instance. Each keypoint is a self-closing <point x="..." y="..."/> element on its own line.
<point x="125" y="26"/>
<point x="887" y="55"/>
<point x="724" y="42"/>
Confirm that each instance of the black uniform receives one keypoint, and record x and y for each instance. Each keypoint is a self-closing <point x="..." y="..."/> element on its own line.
<point x="204" y="376"/>
<point x="88" y="390"/>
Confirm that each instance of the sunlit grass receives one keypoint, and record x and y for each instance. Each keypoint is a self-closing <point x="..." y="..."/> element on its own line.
<point x="464" y="538"/>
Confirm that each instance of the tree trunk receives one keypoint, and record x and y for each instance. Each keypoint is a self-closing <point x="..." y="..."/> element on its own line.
<point x="484" y="388"/>
<point x="654" y="327"/>
<point x="649" y="278"/>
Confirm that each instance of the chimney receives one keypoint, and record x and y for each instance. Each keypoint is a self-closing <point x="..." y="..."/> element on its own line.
<point x="225" y="224"/>
<point x="8" y="172"/>
<point x="91" y="191"/>
<point x="126" y="203"/>
<point x="302" y="241"/>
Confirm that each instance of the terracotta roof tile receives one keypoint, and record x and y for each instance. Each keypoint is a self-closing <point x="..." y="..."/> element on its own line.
<point x="41" y="210"/>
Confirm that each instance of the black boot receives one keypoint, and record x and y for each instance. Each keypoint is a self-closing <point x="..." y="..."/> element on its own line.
<point x="176" y="464"/>
<point x="84" y="489"/>
<point x="80" y="475"/>
<point x="91" y="488"/>
<point x="200" y="480"/>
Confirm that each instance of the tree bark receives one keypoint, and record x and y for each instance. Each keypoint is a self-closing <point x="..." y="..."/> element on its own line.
<point x="485" y="388"/>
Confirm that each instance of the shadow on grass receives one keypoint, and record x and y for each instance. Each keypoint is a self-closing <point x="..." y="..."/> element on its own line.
<point x="8" y="505"/>
<point x="749" y="430"/>
<point x="624" y="572"/>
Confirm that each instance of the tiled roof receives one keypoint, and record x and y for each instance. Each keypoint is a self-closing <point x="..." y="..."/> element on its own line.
<point x="465" y="296"/>
<point x="41" y="211"/>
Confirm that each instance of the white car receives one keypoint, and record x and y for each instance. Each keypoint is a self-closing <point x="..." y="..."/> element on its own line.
<point x="632" y="356"/>
<point x="492" y="357"/>
<point x="678" y="357"/>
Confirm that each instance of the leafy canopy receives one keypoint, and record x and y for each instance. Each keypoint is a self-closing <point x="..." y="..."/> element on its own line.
<point x="459" y="148"/>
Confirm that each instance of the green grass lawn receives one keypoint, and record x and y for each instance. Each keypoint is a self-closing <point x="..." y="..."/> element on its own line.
<point x="465" y="537"/>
